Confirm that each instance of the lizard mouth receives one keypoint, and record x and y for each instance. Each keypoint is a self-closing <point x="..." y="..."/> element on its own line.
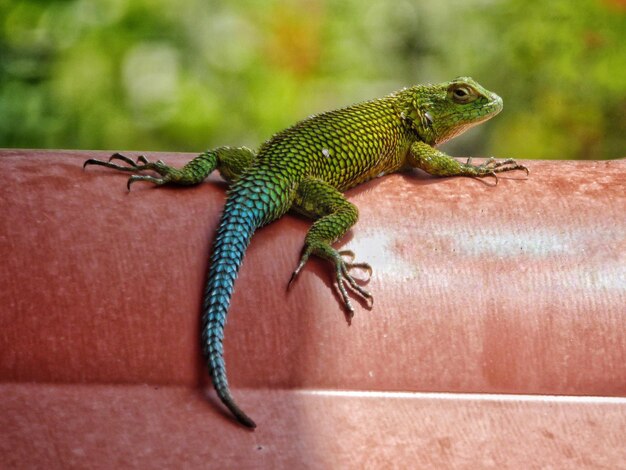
<point x="475" y="115"/>
<point x="495" y="103"/>
<point x="489" y="110"/>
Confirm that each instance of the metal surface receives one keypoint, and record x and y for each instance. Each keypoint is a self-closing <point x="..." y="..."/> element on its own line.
<point x="519" y="288"/>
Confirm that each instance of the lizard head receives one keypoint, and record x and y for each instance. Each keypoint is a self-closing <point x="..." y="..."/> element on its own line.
<point x="440" y="112"/>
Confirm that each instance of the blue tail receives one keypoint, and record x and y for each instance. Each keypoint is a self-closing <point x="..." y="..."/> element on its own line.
<point x="252" y="202"/>
<point x="236" y="227"/>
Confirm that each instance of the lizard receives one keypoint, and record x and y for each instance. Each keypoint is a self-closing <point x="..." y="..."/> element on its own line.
<point x="306" y="168"/>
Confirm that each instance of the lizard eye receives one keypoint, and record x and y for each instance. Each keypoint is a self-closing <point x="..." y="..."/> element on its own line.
<point x="462" y="94"/>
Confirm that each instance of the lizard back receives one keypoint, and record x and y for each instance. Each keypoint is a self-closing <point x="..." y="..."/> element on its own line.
<point x="344" y="147"/>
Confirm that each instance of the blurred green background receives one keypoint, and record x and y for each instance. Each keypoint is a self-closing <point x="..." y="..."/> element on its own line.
<point x="194" y="74"/>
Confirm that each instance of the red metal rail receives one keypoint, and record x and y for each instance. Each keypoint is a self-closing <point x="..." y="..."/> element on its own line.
<point x="515" y="289"/>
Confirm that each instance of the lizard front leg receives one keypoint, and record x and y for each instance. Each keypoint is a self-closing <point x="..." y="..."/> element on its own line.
<point x="229" y="161"/>
<point x="335" y="215"/>
<point x="437" y="163"/>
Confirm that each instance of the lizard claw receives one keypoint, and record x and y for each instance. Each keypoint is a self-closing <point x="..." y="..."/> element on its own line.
<point x="125" y="159"/>
<point x="342" y="276"/>
<point x="350" y="264"/>
<point x="499" y="166"/>
<point x="142" y="164"/>
<point x="294" y="275"/>
<point x="491" y="167"/>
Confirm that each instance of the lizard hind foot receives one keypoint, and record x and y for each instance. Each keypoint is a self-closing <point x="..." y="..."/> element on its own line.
<point x="350" y="264"/>
<point x="142" y="164"/>
<point x="343" y="277"/>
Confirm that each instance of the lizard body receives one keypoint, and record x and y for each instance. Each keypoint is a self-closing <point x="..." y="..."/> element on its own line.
<point x="306" y="168"/>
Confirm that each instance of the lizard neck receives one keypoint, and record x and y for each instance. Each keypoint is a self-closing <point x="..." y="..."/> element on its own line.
<point x="412" y="106"/>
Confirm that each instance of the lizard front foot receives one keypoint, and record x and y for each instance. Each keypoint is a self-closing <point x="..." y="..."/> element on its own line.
<point x="492" y="166"/>
<point x="342" y="274"/>
<point x="142" y="164"/>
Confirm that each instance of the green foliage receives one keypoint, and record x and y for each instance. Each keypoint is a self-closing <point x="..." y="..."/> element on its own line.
<point x="570" y="57"/>
<point x="194" y="74"/>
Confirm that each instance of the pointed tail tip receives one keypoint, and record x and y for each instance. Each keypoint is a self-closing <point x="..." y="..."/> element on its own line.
<point x="246" y="421"/>
<point x="241" y="417"/>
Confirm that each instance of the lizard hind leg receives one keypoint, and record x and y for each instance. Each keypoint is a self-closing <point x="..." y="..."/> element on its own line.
<point x="335" y="215"/>
<point x="230" y="161"/>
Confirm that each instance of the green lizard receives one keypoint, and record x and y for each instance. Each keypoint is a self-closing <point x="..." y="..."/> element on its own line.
<point x="306" y="168"/>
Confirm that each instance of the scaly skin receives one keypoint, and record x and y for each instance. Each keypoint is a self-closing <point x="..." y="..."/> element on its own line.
<point x="305" y="168"/>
